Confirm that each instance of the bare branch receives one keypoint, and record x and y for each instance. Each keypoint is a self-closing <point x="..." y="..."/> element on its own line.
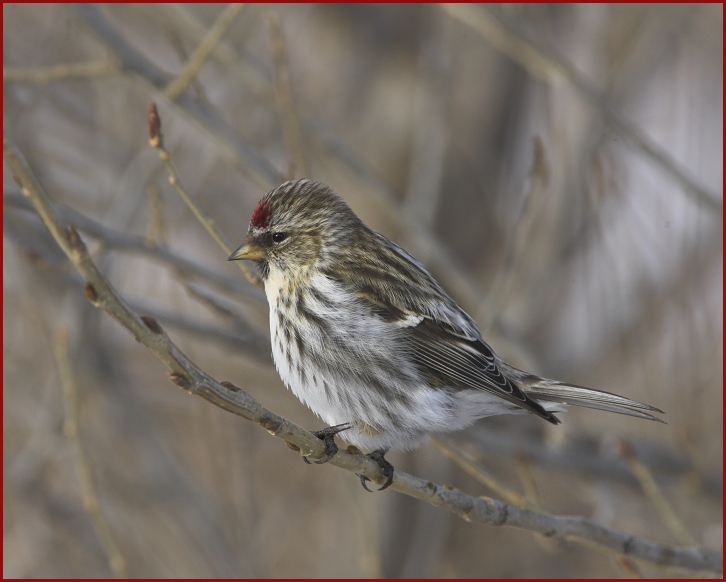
<point x="543" y="62"/>
<point x="156" y="229"/>
<point x="424" y="243"/>
<point x="224" y="21"/>
<point x="60" y="72"/>
<point x="653" y="492"/>
<point x="191" y="378"/>
<point x="116" y="560"/>
<point x="535" y="197"/>
<point x="178" y="44"/>
<point x="469" y="464"/>
<point x="156" y="140"/>
<point x="493" y="512"/>
<point x="585" y="456"/>
<point x="114" y="239"/>
<point x="285" y="104"/>
<point x="244" y="339"/>
<point x="232" y="146"/>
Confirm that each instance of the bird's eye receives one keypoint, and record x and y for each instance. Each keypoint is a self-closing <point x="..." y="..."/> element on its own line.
<point x="278" y="237"/>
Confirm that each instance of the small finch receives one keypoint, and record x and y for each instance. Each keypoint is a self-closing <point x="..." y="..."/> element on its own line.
<point x="363" y="334"/>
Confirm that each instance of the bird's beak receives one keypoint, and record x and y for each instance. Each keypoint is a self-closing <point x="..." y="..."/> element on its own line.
<point x="249" y="250"/>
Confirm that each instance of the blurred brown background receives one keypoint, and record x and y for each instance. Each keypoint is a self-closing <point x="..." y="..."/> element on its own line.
<point x="580" y="255"/>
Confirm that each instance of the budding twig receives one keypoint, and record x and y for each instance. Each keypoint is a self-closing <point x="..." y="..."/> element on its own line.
<point x="156" y="140"/>
<point x="194" y="380"/>
<point x="123" y="241"/>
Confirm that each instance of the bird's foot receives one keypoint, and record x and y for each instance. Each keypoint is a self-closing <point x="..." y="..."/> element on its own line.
<point x="386" y="469"/>
<point x="327" y="435"/>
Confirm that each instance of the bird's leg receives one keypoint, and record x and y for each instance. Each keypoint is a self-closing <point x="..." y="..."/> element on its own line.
<point x="386" y="469"/>
<point x="327" y="435"/>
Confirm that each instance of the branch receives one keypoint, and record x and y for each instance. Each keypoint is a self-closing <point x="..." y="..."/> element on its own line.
<point x="581" y="458"/>
<point x="230" y="144"/>
<point x="292" y="136"/>
<point x="585" y="456"/>
<point x="156" y="140"/>
<point x="118" y="240"/>
<point x="423" y="241"/>
<point x="191" y="378"/>
<point x="60" y="72"/>
<point x="574" y="528"/>
<point x="224" y="21"/>
<point x="469" y="464"/>
<point x="115" y="558"/>
<point x="653" y="492"/>
<point x="544" y="63"/>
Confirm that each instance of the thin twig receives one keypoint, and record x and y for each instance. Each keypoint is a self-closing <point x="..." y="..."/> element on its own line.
<point x="156" y="140"/>
<point x="60" y="72"/>
<point x="470" y="465"/>
<point x="116" y="560"/>
<point x="628" y="567"/>
<point x="178" y="44"/>
<point x="187" y="375"/>
<point x="544" y="63"/>
<point x="244" y="339"/>
<point x="233" y="148"/>
<point x="519" y="243"/>
<point x="223" y="23"/>
<point x="529" y="483"/>
<point x="238" y="153"/>
<point x="285" y="103"/>
<point x="122" y="241"/>
<point x="155" y="230"/>
<point x="653" y="492"/>
<point x="583" y="456"/>
<point x="227" y="313"/>
<point x="430" y="127"/>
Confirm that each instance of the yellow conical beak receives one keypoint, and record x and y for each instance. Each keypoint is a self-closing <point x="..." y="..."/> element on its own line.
<point x="249" y="250"/>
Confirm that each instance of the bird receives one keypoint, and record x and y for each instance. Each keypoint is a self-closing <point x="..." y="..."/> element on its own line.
<point x="365" y="336"/>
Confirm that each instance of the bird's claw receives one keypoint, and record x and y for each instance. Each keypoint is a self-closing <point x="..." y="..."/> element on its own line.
<point x="386" y="469"/>
<point x="327" y="435"/>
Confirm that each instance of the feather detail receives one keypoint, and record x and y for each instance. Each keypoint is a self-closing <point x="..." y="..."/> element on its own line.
<point x="466" y="364"/>
<point x="574" y="395"/>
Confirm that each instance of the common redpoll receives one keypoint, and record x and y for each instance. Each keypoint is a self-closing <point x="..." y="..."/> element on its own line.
<point x="363" y="334"/>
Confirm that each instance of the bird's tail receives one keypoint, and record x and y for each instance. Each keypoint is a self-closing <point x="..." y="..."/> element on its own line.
<point x="544" y="390"/>
<point x="553" y="391"/>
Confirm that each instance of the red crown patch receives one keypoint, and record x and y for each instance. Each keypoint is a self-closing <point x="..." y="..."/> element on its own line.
<point x="261" y="215"/>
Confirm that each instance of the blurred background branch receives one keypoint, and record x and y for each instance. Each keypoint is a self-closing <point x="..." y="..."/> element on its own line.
<point x="583" y="255"/>
<point x="183" y="372"/>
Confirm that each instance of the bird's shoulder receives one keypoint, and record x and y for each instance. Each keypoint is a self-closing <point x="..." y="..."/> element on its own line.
<point x="398" y="288"/>
<point x="442" y="339"/>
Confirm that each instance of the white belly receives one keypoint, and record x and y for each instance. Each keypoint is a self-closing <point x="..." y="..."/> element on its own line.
<point x="351" y="369"/>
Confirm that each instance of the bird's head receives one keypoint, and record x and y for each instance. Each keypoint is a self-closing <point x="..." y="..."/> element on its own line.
<point x="295" y="226"/>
